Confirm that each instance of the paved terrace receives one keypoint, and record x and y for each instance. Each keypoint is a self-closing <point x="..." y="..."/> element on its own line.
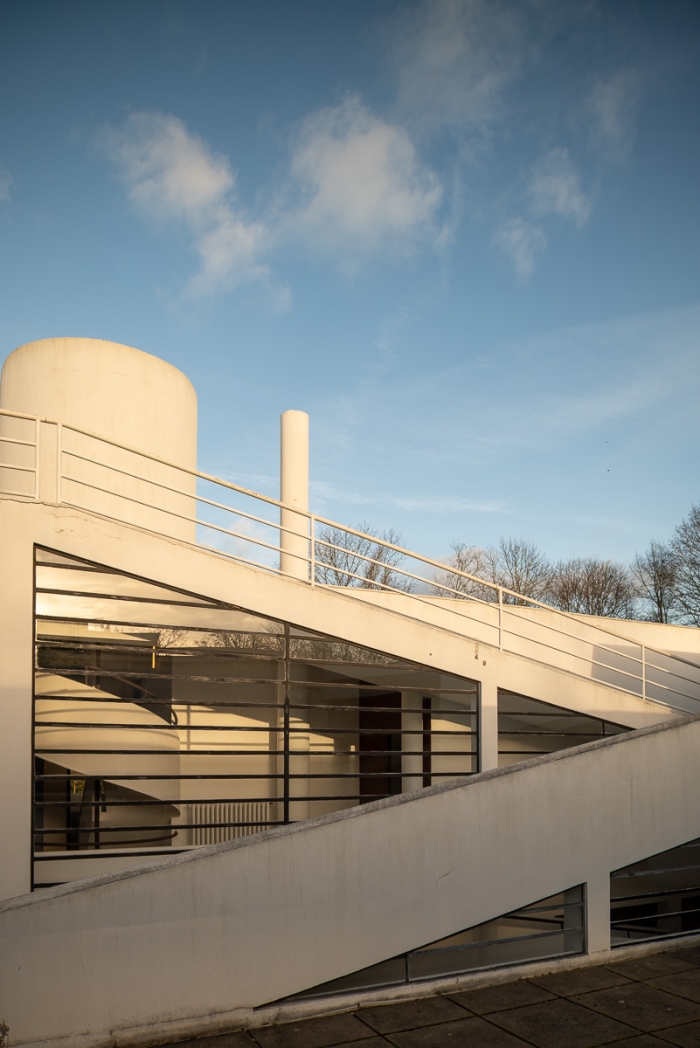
<point x="648" y="1002"/>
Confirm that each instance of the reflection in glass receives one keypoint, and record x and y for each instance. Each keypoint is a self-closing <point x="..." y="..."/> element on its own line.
<point x="552" y="927"/>
<point x="165" y="720"/>
<point x="529" y="728"/>
<point x="656" y="897"/>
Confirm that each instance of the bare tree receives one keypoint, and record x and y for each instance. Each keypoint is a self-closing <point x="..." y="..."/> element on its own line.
<point x="685" y="546"/>
<point x="345" y="559"/>
<point x="592" y="587"/>
<point x="655" y="576"/>
<point x="518" y="565"/>
<point x="472" y="561"/>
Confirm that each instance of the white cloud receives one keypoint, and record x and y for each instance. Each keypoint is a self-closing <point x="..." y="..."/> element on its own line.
<point x="555" y="189"/>
<point x="454" y="58"/>
<point x="358" y="183"/>
<point x="323" y="492"/>
<point x="611" y="106"/>
<point x="363" y="184"/>
<point x="520" y="240"/>
<point x="173" y="176"/>
<point x="5" y="185"/>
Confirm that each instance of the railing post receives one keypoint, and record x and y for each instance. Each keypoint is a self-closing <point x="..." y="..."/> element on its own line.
<point x="37" y="458"/>
<point x="644" y="671"/>
<point x="59" y="460"/>
<point x="46" y="462"/>
<point x="598" y="912"/>
<point x="500" y="618"/>
<point x="312" y="551"/>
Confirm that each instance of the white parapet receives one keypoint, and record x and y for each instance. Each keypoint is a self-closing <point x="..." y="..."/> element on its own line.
<point x="294" y="491"/>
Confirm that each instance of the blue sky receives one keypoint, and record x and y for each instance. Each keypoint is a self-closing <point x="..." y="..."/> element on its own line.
<point x="462" y="234"/>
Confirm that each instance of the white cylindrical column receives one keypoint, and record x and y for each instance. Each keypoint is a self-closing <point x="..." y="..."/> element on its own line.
<point x="488" y="724"/>
<point x="294" y="492"/>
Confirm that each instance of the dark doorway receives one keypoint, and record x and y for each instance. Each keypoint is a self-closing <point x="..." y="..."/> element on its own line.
<point x="380" y="744"/>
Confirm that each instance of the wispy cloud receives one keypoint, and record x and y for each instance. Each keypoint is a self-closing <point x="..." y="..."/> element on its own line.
<point x="172" y="176"/>
<point x="635" y="372"/>
<point x="611" y="108"/>
<point x="5" y="185"/>
<point x="363" y="185"/>
<point x="355" y="187"/>
<point x="453" y="58"/>
<point x="521" y="240"/>
<point x="555" y="188"/>
<point x="458" y="65"/>
<point x="322" y="492"/>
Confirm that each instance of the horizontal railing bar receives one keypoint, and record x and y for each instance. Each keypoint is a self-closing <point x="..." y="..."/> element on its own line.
<point x="450" y="570"/>
<point x="21" y="469"/>
<point x="306" y="730"/>
<point x="126" y="598"/>
<point x="181" y="707"/>
<point x="253" y="777"/>
<point x="321" y="520"/>
<point x="178" y="516"/>
<point x="99" y="671"/>
<point x="526" y="600"/>
<point x="176" y="491"/>
<point x="17" y="440"/>
<point x="655" y="895"/>
<point x="632" y="921"/>
<point x="486" y="942"/>
<point x="19" y="494"/>
<point x="182" y="516"/>
<point x="70" y="776"/>
<point x="115" y="853"/>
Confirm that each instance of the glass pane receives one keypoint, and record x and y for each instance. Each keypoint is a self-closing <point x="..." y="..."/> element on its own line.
<point x="552" y="927"/>
<point x="656" y="897"/>
<point x="165" y="720"/>
<point x="529" y="728"/>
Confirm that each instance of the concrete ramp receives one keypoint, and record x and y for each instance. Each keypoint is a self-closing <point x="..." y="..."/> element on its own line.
<point x="196" y="942"/>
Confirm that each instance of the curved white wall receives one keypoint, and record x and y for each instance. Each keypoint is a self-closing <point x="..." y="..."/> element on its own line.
<point x="115" y="391"/>
<point x="120" y="394"/>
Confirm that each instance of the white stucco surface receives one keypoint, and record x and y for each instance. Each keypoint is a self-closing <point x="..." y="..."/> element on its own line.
<point x="116" y="391"/>
<point x="130" y="549"/>
<point x="211" y="935"/>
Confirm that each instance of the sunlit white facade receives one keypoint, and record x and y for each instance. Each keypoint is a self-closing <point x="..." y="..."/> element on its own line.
<point x="250" y="756"/>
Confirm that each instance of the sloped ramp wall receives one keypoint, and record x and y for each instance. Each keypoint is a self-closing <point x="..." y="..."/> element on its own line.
<point x="203" y="938"/>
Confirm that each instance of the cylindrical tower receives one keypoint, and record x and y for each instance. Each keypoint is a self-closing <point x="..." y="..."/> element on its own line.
<point x="116" y="391"/>
<point x="122" y="395"/>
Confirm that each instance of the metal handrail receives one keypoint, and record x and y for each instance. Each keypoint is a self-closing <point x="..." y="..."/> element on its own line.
<point x="504" y="603"/>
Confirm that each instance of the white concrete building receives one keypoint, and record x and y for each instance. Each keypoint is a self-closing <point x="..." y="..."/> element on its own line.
<point x="254" y="763"/>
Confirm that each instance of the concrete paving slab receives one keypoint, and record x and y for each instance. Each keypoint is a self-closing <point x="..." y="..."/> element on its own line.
<point x="685" y="984"/>
<point x="498" y="998"/>
<point x="410" y="1015"/>
<point x="322" y="1032"/>
<point x="641" y="1006"/>
<point x="561" y="1024"/>
<point x="466" y="1033"/>
<point x="686" y="1036"/>
<point x="655" y="964"/>
<point x="580" y="980"/>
